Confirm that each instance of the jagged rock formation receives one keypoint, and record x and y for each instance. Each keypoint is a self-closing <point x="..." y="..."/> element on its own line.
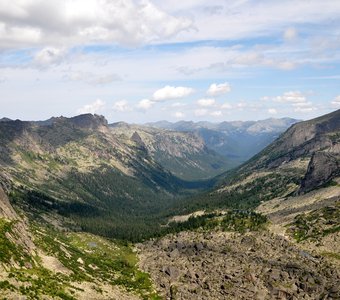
<point x="322" y="168"/>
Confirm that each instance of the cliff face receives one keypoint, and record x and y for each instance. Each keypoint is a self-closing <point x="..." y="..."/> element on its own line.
<point x="322" y="168"/>
<point x="19" y="233"/>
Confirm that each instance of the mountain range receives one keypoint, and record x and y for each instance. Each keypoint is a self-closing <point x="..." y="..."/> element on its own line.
<point x="237" y="140"/>
<point x="91" y="210"/>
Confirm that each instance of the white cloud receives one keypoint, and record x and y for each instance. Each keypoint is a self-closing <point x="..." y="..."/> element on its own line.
<point x="216" y="113"/>
<point x="226" y="106"/>
<point x="171" y="92"/>
<point x="305" y="109"/>
<point x="218" y="89"/>
<point x="121" y="106"/>
<point x="297" y="100"/>
<point x="291" y="97"/>
<point x="241" y="105"/>
<point x="302" y="104"/>
<point x="35" y="22"/>
<point x="264" y="18"/>
<point x="49" y="56"/>
<point x="94" y="79"/>
<point x="178" y="104"/>
<point x="336" y="101"/>
<point x="200" y="112"/>
<point x="145" y="104"/>
<point x="290" y="34"/>
<point x="272" y="111"/>
<point x="206" y="102"/>
<point x="178" y="115"/>
<point x="93" y="108"/>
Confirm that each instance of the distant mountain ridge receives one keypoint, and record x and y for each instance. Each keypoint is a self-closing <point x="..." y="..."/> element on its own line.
<point x="266" y="125"/>
<point x="236" y="140"/>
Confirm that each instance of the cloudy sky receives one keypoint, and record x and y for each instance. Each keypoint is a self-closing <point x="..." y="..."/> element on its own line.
<point x="149" y="60"/>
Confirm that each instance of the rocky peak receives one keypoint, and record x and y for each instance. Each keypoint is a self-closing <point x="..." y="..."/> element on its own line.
<point x="85" y="121"/>
<point x="89" y="121"/>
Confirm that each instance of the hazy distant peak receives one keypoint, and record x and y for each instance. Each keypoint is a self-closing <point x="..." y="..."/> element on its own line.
<point x="5" y="119"/>
<point x="119" y="124"/>
<point x="253" y="127"/>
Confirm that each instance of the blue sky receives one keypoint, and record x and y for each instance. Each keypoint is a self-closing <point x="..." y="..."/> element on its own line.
<point x="142" y="61"/>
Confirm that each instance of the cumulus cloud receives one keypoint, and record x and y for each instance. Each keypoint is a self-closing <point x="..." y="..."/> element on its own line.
<point x="200" y="112"/>
<point x="297" y="100"/>
<point x="171" y="92"/>
<point x="290" y="34"/>
<point x="206" y="102"/>
<point x="121" y="106"/>
<point x="178" y="104"/>
<point x="272" y="111"/>
<point x="226" y="106"/>
<point x="216" y="113"/>
<point x="145" y="104"/>
<point x="303" y="109"/>
<point x="92" y="108"/>
<point x="35" y="22"/>
<point x="49" y="56"/>
<point x="302" y="104"/>
<point x="291" y="97"/>
<point x="179" y="115"/>
<point x="218" y="89"/>
<point x="241" y="105"/>
<point x="336" y="101"/>
<point x="94" y="79"/>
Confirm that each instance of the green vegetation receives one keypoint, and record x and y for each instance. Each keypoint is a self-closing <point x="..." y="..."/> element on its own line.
<point x="331" y="255"/>
<point x="244" y="197"/>
<point x="316" y="224"/>
<point x="9" y="251"/>
<point x="194" y="166"/>
<point x="232" y="220"/>
<point x="83" y="258"/>
<point x="242" y="221"/>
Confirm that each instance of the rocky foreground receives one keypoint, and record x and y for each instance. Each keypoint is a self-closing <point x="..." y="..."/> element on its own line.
<point x="221" y="265"/>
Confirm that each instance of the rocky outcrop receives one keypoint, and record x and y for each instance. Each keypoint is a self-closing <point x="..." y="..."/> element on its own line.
<point x="19" y="234"/>
<point x="138" y="140"/>
<point x="218" y="265"/>
<point x="322" y="168"/>
<point x="89" y="121"/>
<point x="6" y="209"/>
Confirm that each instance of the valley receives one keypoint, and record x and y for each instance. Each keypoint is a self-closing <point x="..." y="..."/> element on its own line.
<point x="91" y="210"/>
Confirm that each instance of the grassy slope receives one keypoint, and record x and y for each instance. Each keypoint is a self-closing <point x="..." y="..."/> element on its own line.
<point x="74" y="261"/>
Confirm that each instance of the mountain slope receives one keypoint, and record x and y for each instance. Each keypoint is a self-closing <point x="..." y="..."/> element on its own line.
<point x="83" y="169"/>
<point x="185" y="154"/>
<point x="305" y="157"/>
